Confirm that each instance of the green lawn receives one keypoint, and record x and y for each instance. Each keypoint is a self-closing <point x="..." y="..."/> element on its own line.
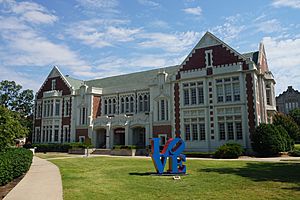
<point x="51" y="155"/>
<point x="127" y="178"/>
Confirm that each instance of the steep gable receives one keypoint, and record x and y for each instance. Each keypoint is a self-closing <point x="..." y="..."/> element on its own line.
<point x="221" y="54"/>
<point x="61" y="83"/>
<point x="262" y="59"/>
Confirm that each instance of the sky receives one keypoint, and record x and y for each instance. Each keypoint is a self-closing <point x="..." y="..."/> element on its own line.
<point x="90" y="39"/>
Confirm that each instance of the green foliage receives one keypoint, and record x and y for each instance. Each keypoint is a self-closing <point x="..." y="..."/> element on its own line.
<point x="127" y="147"/>
<point x="56" y="147"/>
<point x="295" y="153"/>
<point x="199" y="154"/>
<point x="268" y="140"/>
<point x="13" y="98"/>
<point x="288" y="124"/>
<point x="295" y="115"/>
<point x="13" y="163"/>
<point x="229" y="150"/>
<point x="10" y="127"/>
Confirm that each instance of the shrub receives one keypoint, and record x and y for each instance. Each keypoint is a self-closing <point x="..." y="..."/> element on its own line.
<point x="288" y="124"/>
<point x="198" y="154"/>
<point x="13" y="163"/>
<point x="229" y="150"/>
<point x="295" y="153"/>
<point x="128" y="147"/>
<point x="269" y="140"/>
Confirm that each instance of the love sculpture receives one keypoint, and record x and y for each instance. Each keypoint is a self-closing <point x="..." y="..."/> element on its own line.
<point x="171" y="150"/>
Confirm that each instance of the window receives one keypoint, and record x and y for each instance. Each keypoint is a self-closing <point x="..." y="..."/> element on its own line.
<point x="141" y="103"/>
<point x="239" y="131"/>
<point x="109" y="106"/>
<point x="162" y="109"/>
<point x="202" y="131"/>
<point x="187" y="132"/>
<point x="220" y="94"/>
<point x="186" y="97"/>
<point x="236" y="92"/>
<point x="53" y="84"/>
<point x="228" y="89"/>
<point x="268" y="95"/>
<point x="146" y="103"/>
<point x="57" y="107"/>
<point x="83" y="116"/>
<point x="230" y="131"/>
<point x="122" y="105"/>
<point x="81" y="139"/>
<point x="195" y="131"/>
<point x="67" y="107"/>
<point x="222" y="131"/>
<point x="208" y="58"/>
<point x="56" y="131"/>
<point x="105" y="107"/>
<point x="114" y="109"/>
<point x="200" y="96"/>
<point x="131" y="104"/>
<point x="193" y="96"/>
<point x="127" y="104"/>
<point x="193" y="93"/>
<point x="227" y="92"/>
<point x="163" y="139"/>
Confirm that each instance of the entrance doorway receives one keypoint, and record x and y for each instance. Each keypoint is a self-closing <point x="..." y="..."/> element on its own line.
<point x="138" y="136"/>
<point x="101" y="139"/>
<point x="119" y="136"/>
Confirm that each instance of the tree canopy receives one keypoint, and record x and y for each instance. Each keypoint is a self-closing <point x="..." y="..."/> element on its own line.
<point x="288" y="124"/>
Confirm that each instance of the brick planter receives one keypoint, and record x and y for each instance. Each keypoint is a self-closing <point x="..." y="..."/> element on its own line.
<point x="123" y="152"/>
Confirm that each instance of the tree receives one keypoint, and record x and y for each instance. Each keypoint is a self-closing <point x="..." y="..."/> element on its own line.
<point x="295" y="114"/>
<point x="269" y="139"/>
<point x="288" y="124"/>
<point x="10" y="127"/>
<point x="14" y="99"/>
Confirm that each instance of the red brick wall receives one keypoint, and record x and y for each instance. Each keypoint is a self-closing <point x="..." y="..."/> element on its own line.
<point x="81" y="132"/>
<point x="162" y="129"/>
<point x="250" y="102"/>
<point x="96" y="106"/>
<point x="60" y="85"/>
<point x="221" y="56"/>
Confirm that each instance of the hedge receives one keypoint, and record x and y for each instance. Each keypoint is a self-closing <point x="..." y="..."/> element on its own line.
<point x="229" y="150"/>
<point x="13" y="163"/>
<point x="53" y="147"/>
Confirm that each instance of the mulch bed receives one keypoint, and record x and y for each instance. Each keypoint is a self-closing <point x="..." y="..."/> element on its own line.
<point x="5" y="189"/>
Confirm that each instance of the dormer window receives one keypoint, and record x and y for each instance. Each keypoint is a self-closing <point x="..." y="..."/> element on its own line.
<point x="53" y="84"/>
<point x="208" y="58"/>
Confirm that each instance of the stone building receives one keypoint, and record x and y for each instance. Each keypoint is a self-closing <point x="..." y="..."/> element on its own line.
<point x="214" y="96"/>
<point x="288" y="100"/>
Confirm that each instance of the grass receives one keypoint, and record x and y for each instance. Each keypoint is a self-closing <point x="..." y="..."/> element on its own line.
<point x="127" y="178"/>
<point x="51" y="155"/>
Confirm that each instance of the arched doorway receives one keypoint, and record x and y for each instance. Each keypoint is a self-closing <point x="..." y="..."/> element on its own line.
<point x="138" y="136"/>
<point x="119" y="136"/>
<point x="101" y="138"/>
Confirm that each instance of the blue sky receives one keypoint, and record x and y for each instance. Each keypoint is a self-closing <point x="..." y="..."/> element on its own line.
<point x="92" y="39"/>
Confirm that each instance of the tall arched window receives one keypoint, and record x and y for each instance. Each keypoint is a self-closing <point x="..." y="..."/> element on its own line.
<point x="140" y="103"/>
<point x="131" y="104"/>
<point x="126" y="104"/>
<point x="122" y="105"/>
<point x="114" y="106"/>
<point x="105" y="107"/>
<point x="109" y="106"/>
<point x="146" y="103"/>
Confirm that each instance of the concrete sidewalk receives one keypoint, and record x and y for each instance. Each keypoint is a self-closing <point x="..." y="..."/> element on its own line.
<point x="42" y="181"/>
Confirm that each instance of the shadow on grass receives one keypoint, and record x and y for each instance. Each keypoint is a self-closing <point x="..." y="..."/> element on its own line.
<point x="277" y="172"/>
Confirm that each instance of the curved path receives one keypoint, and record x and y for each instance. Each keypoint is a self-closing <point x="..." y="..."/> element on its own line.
<point x="42" y="181"/>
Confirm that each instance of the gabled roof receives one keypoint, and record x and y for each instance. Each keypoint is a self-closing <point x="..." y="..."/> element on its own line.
<point x="75" y="83"/>
<point x="209" y="39"/>
<point x="137" y="80"/>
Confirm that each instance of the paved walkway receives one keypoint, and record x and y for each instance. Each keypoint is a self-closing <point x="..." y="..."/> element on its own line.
<point x="42" y="182"/>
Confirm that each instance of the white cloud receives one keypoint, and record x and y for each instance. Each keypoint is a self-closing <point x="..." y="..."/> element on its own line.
<point x="287" y="3"/>
<point x="30" y="12"/>
<point x="175" y="43"/>
<point x="98" y="4"/>
<point x="159" y="24"/>
<point x="284" y="62"/>
<point x="194" y="11"/>
<point x="269" y="26"/>
<point x="101" y="33"/>
<point x="230" y="29"/>
<point x="149" y="3"/>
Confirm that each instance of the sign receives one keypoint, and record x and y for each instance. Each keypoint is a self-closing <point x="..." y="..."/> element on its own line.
<point x="172" y="152"/>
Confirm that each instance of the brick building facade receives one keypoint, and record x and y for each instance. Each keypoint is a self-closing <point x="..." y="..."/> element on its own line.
<point x="214" y="96"/>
